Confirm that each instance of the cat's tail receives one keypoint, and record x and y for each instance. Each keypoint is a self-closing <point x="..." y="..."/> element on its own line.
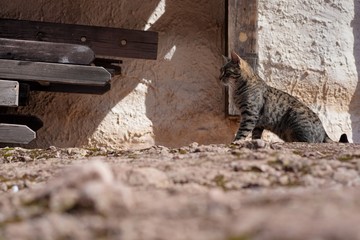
<point x="343" y="139"/>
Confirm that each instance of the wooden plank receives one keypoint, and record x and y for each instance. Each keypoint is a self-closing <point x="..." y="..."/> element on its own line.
<point x="242" y="35"/>
<point x="105" y="41"/>
<point x="12" y="133"/>
<point x="32" y="122"/>
<point x="66" y="88"/>
<point x="45" y="51"/>
<point x="242" y="29"/>
<point x="47" y="73"/>
<point x="9" y="93"/>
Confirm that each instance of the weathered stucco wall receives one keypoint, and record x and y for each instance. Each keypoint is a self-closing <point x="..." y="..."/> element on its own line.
<point x="311" y="50"/>
<point x="307" y="48"/>
<point x="172" y="101"/>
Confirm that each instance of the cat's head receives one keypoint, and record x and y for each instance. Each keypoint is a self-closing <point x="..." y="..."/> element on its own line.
<point x="233" y="68"/>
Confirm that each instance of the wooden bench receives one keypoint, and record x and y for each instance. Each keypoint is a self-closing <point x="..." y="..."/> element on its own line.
<point x="41" y="56"/>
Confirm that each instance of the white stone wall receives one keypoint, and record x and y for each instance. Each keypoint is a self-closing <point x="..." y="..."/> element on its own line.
<point x="307" y="48"/>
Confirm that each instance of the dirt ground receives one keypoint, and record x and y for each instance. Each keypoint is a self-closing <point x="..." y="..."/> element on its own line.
<point x="243" y="191"/>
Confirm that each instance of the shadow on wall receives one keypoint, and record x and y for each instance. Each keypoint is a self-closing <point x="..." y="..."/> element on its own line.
<point x="71" y="119"/>
<point x="355" y="101"/>
<point x="185" y="102"/>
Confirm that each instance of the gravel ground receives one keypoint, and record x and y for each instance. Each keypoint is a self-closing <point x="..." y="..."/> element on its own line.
<point x="248" y="190"/>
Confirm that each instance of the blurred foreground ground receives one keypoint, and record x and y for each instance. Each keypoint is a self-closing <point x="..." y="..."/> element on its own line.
<point x="251" y="190"/>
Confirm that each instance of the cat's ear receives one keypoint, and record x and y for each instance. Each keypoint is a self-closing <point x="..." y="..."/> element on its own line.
<point x="226" y="59"/>
<point x="235" y="58"/>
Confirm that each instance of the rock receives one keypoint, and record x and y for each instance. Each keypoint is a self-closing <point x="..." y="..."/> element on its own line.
<point x="194" y="145"/>
<point x="26" y="159"/>
<point x="150" y="177"/>
<point x="259" y="143"/>
<point x="84" y="188"/>
<point x="284" y="180"/>
<point x="53" y="226"/>
<point x="107" y="199"/>
<point x="322" y="170"/>
<point x="345" y="176"/>
<point x="235" y="166"/>
<point x="93" y="187"/>
<point x="53" y="148"/>
<point x="3" y="187"/>
<point x="76" y="176"/>
<point x="15" y="188"/>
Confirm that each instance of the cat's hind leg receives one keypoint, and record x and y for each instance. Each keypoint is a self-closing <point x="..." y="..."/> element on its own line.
<point x="257" y="133"/>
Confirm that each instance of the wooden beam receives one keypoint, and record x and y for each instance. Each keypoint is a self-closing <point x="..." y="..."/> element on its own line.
<point x="32" y="122"/>
<point x="12" y="133"/>
<point x="47" y="73"/>
<point x="105" y="41"/>
<point x="242" y="36"/>
<point x="9" y="93"/>
<point x="24" y="94"/>
<point x="242" y="29"/>
<point x="45" y="51"/>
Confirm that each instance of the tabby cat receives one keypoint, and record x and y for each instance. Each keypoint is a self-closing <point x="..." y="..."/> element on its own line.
<point x="264" y="107"/>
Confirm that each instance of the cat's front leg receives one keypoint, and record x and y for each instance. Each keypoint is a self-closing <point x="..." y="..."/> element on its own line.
<point x="247" y="125"/>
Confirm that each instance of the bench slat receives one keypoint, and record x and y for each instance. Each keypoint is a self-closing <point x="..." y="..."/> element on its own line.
<point x="45" y="51"/>
<point x="104" y="41"/>
<point x="32" y="122"/>
<point x="47" y="73"/>
<point x="67" y="88"/>
<point x="13" y="133"/>
<point x="9" y="93"/>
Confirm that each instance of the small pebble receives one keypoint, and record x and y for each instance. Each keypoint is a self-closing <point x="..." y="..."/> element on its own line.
<point x="15" y="189"/>
<point x="259" y="143"/>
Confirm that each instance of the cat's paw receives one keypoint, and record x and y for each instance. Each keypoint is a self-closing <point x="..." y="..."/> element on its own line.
<point x="238" y="141"/>
<point x="250" y="144"/>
